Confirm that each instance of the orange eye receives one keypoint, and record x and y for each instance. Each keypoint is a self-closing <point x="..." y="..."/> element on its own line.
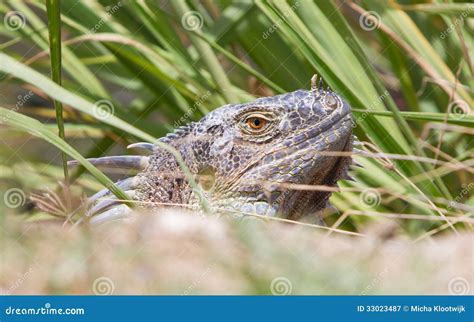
<point x="256" y="123"/>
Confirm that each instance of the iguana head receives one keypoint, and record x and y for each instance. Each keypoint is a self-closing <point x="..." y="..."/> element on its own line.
<point x="244" y="156"/>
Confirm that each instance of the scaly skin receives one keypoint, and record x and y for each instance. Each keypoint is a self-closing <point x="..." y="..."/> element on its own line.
<point x="240" y="164"/>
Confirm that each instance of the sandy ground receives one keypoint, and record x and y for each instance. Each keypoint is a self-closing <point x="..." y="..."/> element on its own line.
<point x="179" y="253"/>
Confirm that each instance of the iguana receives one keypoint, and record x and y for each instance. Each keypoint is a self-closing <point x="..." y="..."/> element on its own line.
<point x="241" y="156"/>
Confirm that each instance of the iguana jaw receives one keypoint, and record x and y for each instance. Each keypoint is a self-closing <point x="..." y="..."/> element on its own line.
<point x="299" y="203"/>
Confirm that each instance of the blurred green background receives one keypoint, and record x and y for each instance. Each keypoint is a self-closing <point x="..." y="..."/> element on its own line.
<point x="134" y="70"/>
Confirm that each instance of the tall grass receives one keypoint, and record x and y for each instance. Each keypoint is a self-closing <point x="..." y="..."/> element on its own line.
<point x="133" y="70"/>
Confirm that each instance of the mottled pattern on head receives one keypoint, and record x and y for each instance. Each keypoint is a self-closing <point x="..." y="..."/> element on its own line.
<point x="242" y="153"/>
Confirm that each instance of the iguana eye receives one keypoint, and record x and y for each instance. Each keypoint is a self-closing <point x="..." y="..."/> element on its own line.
<point x="256" y="123"/>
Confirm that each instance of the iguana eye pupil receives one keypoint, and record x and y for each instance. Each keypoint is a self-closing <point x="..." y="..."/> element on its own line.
<point x="256" y="123"/>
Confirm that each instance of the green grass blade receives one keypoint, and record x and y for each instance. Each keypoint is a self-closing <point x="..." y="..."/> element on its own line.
<point x="34" y="127"/>
<point x="241" y="64"/>
<point x="71" y="63"/>
<point x="207" y="55"/>
<point x="457" y="119"/>
<point x="407" y="31"/>
<point x="453" y="9"/>
<point x="54" y="25"/>
<point x="11" y="66"/>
